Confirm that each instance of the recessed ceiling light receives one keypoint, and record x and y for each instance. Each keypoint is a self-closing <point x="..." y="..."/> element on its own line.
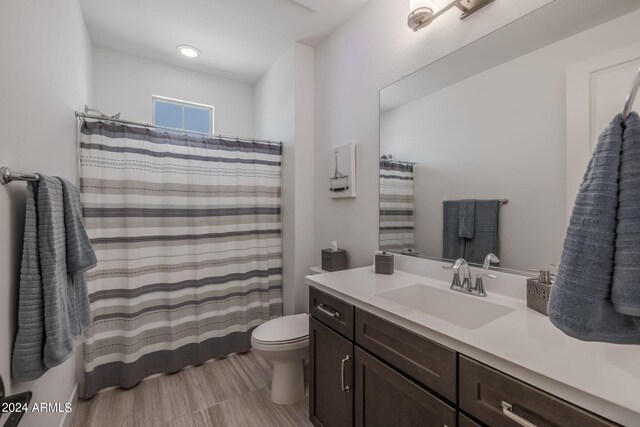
<point x="188" y="51"/>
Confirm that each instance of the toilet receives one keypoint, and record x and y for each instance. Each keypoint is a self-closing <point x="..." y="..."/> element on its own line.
<point x="284" y="342"/>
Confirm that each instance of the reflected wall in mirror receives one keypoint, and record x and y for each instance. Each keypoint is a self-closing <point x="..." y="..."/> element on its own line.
<point x="491" y="122"/>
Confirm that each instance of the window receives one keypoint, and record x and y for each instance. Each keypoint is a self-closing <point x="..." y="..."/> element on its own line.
<point x="182" y="115"/>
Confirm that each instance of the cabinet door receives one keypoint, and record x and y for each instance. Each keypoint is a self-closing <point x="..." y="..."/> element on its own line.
<point x="330" y="377"/>
<point x="387" y="398"/>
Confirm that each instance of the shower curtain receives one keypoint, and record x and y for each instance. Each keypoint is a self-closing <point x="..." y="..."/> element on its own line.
<point x="187" y="232"/>
<point x="396" y="205"/>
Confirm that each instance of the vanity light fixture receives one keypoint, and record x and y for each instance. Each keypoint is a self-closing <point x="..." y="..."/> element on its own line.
<point x="188" y="51"/>
<point x="422" y="13"/>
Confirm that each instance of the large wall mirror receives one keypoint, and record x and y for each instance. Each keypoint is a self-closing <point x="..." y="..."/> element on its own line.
<point x="483" y="150"/>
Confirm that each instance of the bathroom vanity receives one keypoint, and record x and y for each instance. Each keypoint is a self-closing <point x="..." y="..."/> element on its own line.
<point x="405" y="350"/>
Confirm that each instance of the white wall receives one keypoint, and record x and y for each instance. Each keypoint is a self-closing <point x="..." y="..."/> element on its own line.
<point x="125" y="83"/>
<point x="284" y="111"/>
<point x="46" y="75"/>
<point x="491" y="136"/>
<point x="369" y="51"/>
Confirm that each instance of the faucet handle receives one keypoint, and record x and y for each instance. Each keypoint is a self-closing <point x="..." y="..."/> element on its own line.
<point x="455" y="281"/>
<point x="478" y="289"/>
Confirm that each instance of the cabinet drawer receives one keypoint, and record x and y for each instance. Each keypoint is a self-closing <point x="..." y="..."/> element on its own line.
<point x="483" y="391"/>
<point x="424" y="360"/>
<point x="331" y="311"/>
<point x="384" y="397"/>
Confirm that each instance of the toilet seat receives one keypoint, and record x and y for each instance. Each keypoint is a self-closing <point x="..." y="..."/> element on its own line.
<point x="280" y="348"/>
<point x="282" y="330"/>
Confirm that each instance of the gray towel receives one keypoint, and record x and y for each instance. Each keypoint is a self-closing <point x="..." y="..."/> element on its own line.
<point x="580" y="302"/>
<point x="53" y="308"/>
<point x="625" y="290"/>
<point x="466" y="225"/>
<point x="27" y="361"/>
<point x="452" y="244"/>
<point x="485" y="235"/>
<point x="80" y="258"/>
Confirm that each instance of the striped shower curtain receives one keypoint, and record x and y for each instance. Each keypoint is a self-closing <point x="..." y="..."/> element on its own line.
<point x="396" y="206"/>
<point x="187" y="232"/>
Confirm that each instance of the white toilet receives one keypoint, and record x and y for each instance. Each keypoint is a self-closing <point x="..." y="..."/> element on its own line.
<point x="284" y="342"/>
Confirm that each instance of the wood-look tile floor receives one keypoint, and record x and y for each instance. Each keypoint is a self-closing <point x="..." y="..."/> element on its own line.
<point x="228" y="392"/>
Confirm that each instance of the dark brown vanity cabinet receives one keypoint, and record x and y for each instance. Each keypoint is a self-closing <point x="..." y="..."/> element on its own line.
<point x="367" y="371"/>
<point x="349" y="385"/>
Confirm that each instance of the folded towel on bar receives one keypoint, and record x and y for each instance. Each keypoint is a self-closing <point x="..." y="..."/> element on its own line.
<point x="467" y="218"/>
<point x="580" y="302"/>
<point x="53" y="307"/>
<point x="625" y="290"/>
<point x="452" y="244"/>
<point x="485" y="235"/>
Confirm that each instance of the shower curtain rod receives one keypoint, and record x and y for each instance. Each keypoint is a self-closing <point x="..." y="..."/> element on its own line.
<point x="80" y="115"/>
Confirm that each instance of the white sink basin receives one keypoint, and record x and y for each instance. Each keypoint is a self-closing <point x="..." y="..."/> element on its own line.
<point x="467" y="311"/>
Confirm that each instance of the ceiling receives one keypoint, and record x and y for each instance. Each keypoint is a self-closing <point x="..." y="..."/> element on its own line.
<point x="239" y="39"/>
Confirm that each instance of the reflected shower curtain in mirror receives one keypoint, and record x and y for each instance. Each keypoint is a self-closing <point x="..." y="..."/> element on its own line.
<point x="396" y="206"/>
<point x="187" y="232"/>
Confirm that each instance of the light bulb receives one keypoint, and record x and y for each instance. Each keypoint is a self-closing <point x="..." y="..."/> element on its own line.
<point x="188" y="51"/>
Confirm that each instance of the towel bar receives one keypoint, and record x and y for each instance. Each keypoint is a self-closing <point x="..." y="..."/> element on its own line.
<point x="7" y="175"/>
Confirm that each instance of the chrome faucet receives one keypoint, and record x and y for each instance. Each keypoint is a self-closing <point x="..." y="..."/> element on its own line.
<point x="456" y="285"/>
<point x="465" y="285"/>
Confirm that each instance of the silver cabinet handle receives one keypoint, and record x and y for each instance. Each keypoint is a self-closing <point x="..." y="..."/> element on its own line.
<point x="333" y="314"/>
<point x="507" y="410"/>
<point x="342" y="375"/>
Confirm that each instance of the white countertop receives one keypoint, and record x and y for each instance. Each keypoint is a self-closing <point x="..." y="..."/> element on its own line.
<point x="602" y="378"/>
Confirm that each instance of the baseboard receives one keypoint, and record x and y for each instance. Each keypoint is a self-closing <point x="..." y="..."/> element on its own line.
<point x="67" y="418"/>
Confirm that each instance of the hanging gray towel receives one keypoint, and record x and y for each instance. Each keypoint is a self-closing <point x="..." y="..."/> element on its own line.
<point x="80" y="258"/>
<point x="27" y="364"/>
<point x="53" y="305"/>
<point x="625" y="290"/>
<point x="467" y="219"/>
<point x="580" y="302"/>
<point x="452" y="244"/>
<point x="485" y="235"/>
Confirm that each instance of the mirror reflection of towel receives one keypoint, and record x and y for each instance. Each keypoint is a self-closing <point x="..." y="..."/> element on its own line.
<point x="467" y="218"/>
<point x="485" y="233"/>
<point x="452" y="244"/>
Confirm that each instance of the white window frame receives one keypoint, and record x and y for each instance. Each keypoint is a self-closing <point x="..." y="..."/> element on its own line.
<point x="182" y="103"/>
